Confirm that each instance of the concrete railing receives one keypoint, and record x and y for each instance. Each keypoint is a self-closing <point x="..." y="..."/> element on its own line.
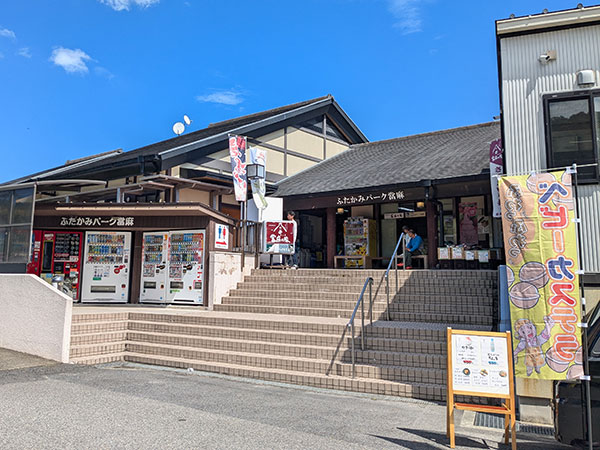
<point x="35" y="318"/>
<point x="225" y="273"/>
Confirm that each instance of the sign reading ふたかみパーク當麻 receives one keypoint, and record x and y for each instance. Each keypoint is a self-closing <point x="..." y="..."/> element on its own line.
<point x="86" y="221"/>
<point x="542" y="269"/>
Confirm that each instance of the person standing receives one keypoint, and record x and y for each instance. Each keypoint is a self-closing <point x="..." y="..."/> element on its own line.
<point x="292" y="260"/>
<point x="413" y="248"/>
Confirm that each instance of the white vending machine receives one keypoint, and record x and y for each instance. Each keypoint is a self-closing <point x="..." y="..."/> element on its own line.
<point x="106" y="259"/>
<point x="154" y="267"/>
<point x="185" y="283"/>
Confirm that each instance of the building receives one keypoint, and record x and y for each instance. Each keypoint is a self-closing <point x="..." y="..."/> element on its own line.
<point x="549" y="66"/>
<point x="112" y="209"/>
<point x="424" y="181"/>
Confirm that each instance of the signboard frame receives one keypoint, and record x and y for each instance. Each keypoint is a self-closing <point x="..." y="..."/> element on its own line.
<point x="508" y="408"/>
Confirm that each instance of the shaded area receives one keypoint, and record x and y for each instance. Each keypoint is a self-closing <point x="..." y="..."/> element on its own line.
<point x="10" y="360"/>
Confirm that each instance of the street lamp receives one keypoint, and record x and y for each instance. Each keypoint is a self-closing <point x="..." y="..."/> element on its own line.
<point x="255" y="171"/>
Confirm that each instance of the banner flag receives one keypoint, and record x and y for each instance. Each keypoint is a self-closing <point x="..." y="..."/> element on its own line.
<point x="540" y="241"/>
<point x="259" y="189"/>
<point x="237" y="153"/>
<point x="496" y="168"/>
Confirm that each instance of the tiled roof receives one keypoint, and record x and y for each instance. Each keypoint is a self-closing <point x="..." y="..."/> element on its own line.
<point x="431" y="156"/>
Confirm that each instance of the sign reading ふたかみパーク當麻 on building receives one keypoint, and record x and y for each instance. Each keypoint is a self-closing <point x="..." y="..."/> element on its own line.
<point x="86" y="221"/>
<point x="542" y="268"/>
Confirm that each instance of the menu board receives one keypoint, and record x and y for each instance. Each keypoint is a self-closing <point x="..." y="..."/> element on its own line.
<point x="480" y="364"/>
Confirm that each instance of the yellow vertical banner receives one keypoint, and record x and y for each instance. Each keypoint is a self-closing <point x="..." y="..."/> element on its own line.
<point x="540" y="242"/>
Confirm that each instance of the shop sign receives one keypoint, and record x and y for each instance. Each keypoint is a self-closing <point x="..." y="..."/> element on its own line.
<point x="222" y="236"/>
<point x="237" y="154"/>
<point x="413" y="214"/>
<point x="358" y="199"/>
<point x="540" y="241"/>
<point x="279" y="237"/>
<point x="86" y="221"/>
<point x="393" y="215"/>
<point x="496" y="168"/>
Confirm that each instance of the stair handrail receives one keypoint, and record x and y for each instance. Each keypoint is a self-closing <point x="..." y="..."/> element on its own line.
<point x="385" y="277"/>
<point x="350" y="324"/>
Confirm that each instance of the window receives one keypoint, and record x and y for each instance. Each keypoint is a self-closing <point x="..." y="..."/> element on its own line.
<point x="572" y="130"/>
<point x="16" y="214"/>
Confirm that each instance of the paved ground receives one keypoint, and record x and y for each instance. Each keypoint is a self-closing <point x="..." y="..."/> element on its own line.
<point x="132" y="406"/>
<point x="10" y="359"/>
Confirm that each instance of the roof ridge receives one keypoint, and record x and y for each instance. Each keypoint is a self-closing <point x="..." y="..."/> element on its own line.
<point x="248" y="116"/>
<point x="430" y="133"/>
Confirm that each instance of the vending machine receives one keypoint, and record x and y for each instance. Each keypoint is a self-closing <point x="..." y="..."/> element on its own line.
<point x="359" y="240"/>
<point x="56" y="255"/>
<point x="154" y="267"/>
<point x="185" y="281"/>
<point x="106" y="267"/>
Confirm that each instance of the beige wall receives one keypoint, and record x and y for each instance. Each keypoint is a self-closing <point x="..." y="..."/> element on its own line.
<point x="296" y="164"/>
<point x="225" y="273"/>
<point x="193" y="195"/>
<point x="334" y="148"/>
<point x="35" y="318"/>
<point x="305" y="143"/>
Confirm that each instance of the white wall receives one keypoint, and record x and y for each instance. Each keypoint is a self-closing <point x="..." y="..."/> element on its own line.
<point x="35" y="318"/>
<point x="225" y="273"/>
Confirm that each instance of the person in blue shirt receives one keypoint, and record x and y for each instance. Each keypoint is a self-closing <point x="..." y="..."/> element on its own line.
<point x="413" y="248"/>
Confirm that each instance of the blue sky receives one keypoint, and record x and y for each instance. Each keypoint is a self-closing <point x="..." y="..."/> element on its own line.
<point x="79" y="77"/>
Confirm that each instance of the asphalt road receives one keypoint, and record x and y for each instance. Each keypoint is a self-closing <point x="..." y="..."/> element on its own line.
<point x="66" y="406"/>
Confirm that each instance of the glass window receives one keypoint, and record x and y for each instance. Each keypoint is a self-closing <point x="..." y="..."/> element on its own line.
<point x="22" y="204"/>
<point x="571" y="138"/>
<point x="19" y="242"/>
<point x="3" y="236"/>
<point x="5" y="201"/>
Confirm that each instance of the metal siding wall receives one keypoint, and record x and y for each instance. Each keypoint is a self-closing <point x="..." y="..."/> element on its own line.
<point x="589" y="211"/>
<point x="524" y="82"/>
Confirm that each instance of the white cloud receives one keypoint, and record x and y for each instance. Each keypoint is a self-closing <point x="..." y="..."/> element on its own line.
<point x="223" y="97"/>
<point x="5" y="32"/>
<point x="24" y="52"/>
<point x="73" y="61"/>
<point x="407" y="15"/>
<point x="124" y="5"/>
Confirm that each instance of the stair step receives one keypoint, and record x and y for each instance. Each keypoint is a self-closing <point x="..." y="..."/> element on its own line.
<point x="97" y="338"/>
<point x="344" y="296"/>
<point x="376" y="274"/>
<point x="402" y="282"/>
<point x="99" y="359"/>
<point x="79" y="351"/>
<point x="380" y="305"/>
<point x="347" y="313"/>
<point x="97" y="327"/>
<point x="370" y="355"/>
<point x="99" y="317"/>
<point x="426" y="391"/>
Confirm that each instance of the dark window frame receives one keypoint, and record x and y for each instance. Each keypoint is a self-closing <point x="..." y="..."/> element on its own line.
<point x="589" y="95"/>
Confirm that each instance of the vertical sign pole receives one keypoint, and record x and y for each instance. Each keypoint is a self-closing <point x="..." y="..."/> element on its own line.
<point x="511" y="400"/>
<point x="584" y="342"/>
<point x="450" y="390"/>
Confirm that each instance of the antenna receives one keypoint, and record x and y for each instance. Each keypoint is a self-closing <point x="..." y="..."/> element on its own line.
<point x="178" y="128"/>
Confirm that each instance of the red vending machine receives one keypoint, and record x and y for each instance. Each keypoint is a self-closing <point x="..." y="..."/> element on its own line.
<point x="58" y="253"/>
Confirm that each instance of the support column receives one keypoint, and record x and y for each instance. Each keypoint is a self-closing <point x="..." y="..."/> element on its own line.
<point x="432" y="234"/>
<point x="331" y="249"/>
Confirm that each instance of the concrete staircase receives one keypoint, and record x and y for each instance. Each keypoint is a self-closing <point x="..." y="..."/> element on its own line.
<point x="287" y="326"/>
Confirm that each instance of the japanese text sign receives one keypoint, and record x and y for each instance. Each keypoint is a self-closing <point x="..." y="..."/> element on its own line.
<point x="79" y="221"/>
<point x="542" y="268"/>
